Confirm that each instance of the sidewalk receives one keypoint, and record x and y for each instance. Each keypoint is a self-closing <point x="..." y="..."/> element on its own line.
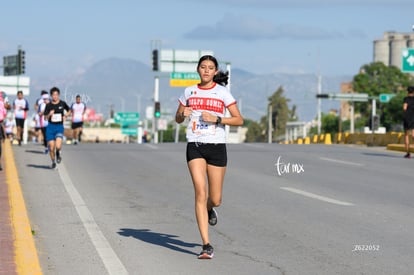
<point x="18" y="253"/>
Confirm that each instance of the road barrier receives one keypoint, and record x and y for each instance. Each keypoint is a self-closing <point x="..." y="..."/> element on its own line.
<point x="391" y="140"/>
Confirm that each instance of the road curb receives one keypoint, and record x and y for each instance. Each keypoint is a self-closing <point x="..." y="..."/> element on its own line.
<point x="25" y="253"/>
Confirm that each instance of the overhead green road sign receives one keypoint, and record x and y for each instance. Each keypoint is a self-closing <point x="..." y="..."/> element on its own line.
<point x="188" y="75"/>
<point x="179" y="79"/>
<point x="407" y="60"/>
<point x="126" y="118"/>
<point x="384" y="98"/>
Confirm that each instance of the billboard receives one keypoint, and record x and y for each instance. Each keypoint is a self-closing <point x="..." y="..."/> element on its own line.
<point x="12" y="84"/>
<point x="181" y="60"/>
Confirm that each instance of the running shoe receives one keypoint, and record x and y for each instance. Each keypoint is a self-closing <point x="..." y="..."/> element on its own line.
<point x="212" y="217"/>
<point x="207" y="253"/>
<point x="58" y="157"/>
<point x="407" y="156"/>
<point x="53" y="166"/>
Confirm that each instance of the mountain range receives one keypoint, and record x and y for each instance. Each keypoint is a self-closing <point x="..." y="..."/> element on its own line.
<point x="128" y="85"/>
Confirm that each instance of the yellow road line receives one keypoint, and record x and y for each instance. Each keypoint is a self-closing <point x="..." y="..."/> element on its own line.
<point x="26" y="258"/>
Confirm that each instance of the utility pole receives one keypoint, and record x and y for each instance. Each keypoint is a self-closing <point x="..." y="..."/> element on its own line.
<point x="156" y="47"/>
<point x="270" y="127"/>
<point x="319" y="91"/>
<point x="156" y="99"/>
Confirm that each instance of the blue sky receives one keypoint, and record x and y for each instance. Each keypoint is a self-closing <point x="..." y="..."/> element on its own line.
<point x="261" y="36"/>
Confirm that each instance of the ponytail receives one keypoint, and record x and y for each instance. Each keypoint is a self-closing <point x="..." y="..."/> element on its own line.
<point x="221" y="78"/>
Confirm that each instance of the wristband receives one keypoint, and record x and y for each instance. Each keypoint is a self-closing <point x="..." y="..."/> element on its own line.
<point x="218" y="121"/>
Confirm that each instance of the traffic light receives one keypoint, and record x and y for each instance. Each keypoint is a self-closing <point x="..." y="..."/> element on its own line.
<point x="376" y="121"/>
<point x="155" y="60"/>
<point x="21" y="62"/>
<point x="157" y="109"/>
<point x="322" y="96"/>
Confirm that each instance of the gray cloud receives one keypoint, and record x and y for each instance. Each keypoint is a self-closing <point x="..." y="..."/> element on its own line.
<point x="252" y="28"/>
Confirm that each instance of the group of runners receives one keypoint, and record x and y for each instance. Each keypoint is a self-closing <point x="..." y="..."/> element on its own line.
<point x="50" y="115"/>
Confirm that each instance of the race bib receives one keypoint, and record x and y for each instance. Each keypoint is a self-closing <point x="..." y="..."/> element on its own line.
<point x="202" y="128"/>
<point x="56" y="118"/>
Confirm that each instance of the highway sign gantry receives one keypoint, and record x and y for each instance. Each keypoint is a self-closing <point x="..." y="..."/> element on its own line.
<point x="345" y="96"/>
<point x="383" y="98"/>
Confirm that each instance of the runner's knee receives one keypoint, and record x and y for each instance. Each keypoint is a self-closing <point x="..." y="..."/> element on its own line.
<point x="215" y="202"/>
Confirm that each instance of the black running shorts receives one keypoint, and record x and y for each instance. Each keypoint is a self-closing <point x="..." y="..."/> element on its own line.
<point x="20" y="122"/>
<point x="76" y="125"/>
<point x="214" y="154"/>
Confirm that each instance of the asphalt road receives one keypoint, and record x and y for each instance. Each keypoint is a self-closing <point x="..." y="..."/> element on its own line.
<point x="287" y="209"/>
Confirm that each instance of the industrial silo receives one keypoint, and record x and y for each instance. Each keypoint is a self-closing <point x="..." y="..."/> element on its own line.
<point x="382" y="51"/>
<point x="410" y="42"/>
<point x="396" y="47"/>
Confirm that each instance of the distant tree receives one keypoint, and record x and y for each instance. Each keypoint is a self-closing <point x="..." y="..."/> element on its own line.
<point x="257" y="132"/>
<point x="329" y="124"/>
<point x="359" y="123"/>
<point x="280" y="112"/>
<point x="392" y="115"/>
<point x="375" y="79"/>
<point x="169" y="134"/>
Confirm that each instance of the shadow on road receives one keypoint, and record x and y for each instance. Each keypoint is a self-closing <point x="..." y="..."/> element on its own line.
<point x="382" y="155"/>
<point x="161" y="239"/>
<point x="35" y="152"/>
<point x="39" y="166"/>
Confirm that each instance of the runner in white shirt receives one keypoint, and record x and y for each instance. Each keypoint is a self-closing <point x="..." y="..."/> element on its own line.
<point x="40" y="100"/>
<point x="78" y="111"/>
<point x="20" y="107"/>
<point x="205" y="104"/>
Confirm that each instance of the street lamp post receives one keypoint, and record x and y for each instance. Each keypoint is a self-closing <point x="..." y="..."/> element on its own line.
<point x="319" y="91"/>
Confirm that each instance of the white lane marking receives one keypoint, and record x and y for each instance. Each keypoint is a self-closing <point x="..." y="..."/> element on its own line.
<point x="342" y="161"/>
<point x="111" y="261"/>
<point x="315" y="196"/>
<point x="151" y="146"/>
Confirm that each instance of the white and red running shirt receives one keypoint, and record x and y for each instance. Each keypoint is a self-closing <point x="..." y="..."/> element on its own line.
<point x="78" y="109"/>
<point x="214" y="100"/>
<point x="20" y="108"/>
